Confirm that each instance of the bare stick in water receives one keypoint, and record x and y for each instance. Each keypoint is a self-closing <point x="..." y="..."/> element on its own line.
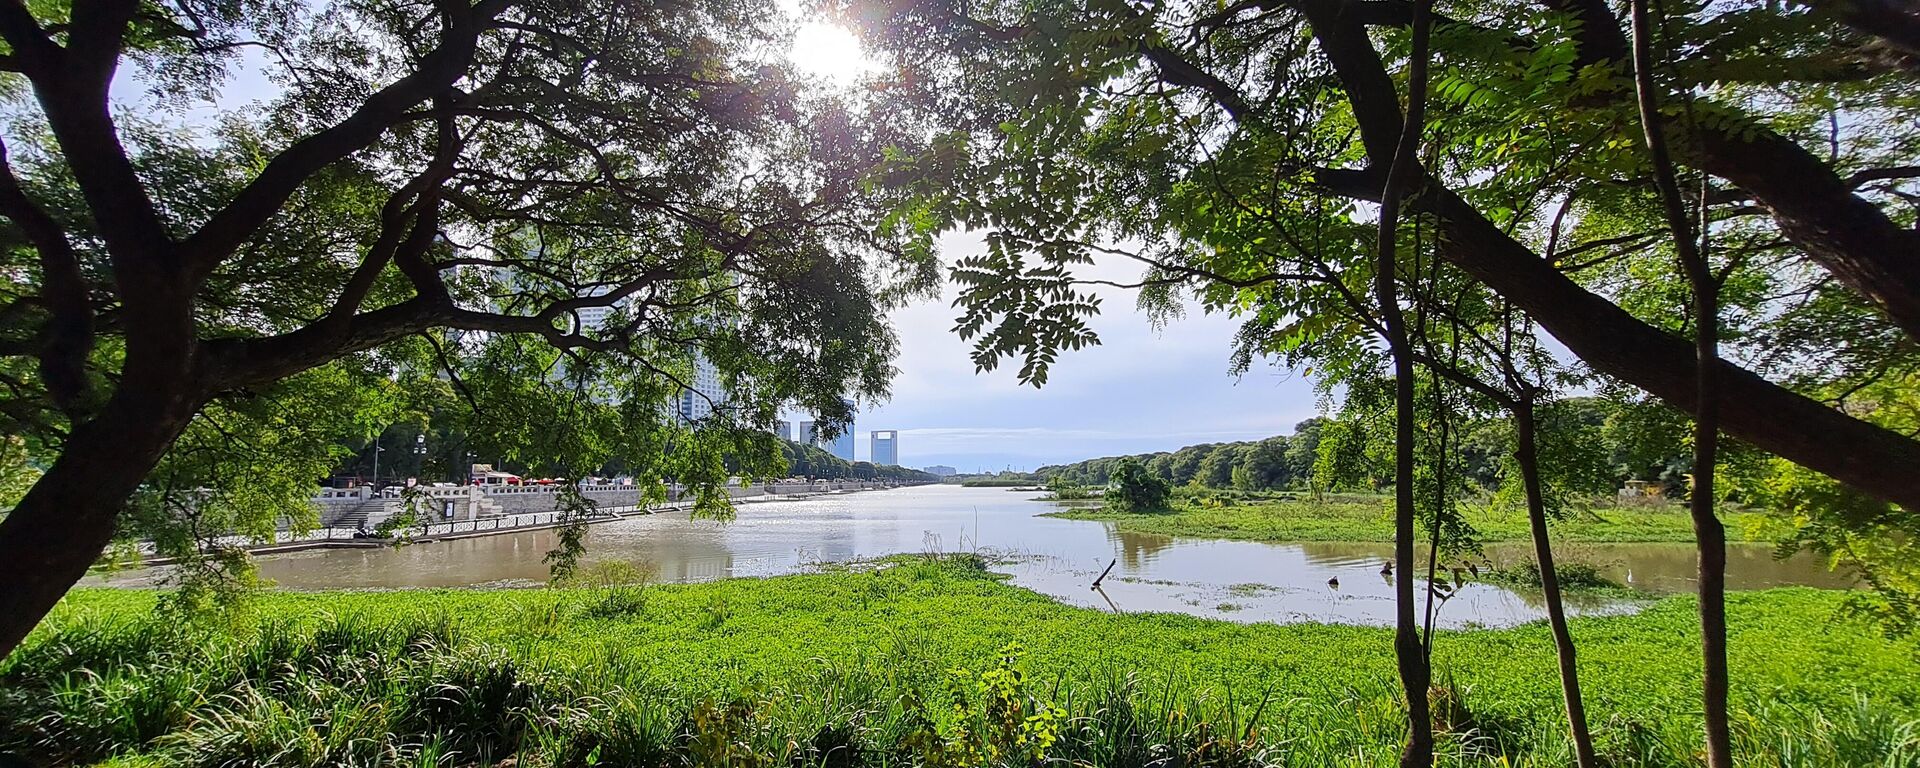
<point x="1103" y="574"/>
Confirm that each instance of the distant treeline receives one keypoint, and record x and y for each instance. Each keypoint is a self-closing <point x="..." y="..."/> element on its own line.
<point x="1277" y="462"/>
<point x="1622" y="441"/>
<point x="813" y="461"/>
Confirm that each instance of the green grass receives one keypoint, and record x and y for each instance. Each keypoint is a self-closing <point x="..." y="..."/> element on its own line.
<point x="853" y="668"/>
<point x="998" y="482"/>
<point x="1366" y="518"/>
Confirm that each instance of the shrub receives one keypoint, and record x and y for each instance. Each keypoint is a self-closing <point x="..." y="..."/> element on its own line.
<point x="1131" y="488"/>
<point x="1573" y="575"/>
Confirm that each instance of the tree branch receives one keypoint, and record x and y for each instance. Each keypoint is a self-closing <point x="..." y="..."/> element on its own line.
<point x="67" y="338"/>
<point x="438" y="70"/>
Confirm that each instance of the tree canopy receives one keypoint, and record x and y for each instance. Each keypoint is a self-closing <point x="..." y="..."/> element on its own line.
<point x="542" y="211"/>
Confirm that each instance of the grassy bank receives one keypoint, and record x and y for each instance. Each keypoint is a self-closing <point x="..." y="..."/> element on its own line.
<point x="857" y="668"/>
<point x="1365" y="518"/>
<point x="997" y="482"/>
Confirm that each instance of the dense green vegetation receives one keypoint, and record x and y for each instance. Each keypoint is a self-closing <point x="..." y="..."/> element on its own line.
<point x="474" y="219"/>
<point x="1623" y="440"/>
<point x="852" y="668"/>
<point x="813" y="461"/>
<point x="996" y="481"/>
<point x="1354" y="517"/>
<point x="1132" y="489"/>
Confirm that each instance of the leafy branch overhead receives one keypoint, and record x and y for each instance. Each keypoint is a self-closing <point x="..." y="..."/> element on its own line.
<point x="544" y="212"/>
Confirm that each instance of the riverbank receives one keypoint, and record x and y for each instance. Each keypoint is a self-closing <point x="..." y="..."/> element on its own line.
<point x="454" y="530"/>
<point x="1350" y="518"/>
<point x="851" y="667"/>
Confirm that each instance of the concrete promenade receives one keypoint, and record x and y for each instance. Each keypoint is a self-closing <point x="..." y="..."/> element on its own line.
<point x="469" y="511"/>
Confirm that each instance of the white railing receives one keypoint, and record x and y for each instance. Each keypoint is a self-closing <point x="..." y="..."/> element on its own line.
<point x="336" y="495"/>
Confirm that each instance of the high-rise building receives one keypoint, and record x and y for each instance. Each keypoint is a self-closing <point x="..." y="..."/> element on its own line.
<point x="704" y="392"/>
<point x="783" y="429"/>
<point x="940" y="470"/>
<point x="884" y="446"/>
<point x="843" y="445"/>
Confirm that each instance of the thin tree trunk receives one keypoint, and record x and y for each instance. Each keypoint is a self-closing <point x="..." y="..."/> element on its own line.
<point x="1526" y="454"/>
<point x="1409" y="651"/>
<point x="1709" y="534"/>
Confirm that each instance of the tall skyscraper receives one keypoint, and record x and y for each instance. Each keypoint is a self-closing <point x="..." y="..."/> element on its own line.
<point x="783" y="429"/>
<point x="843" y="445"/>
<point x="705" y="390"/>
<point x="884" y="446"/>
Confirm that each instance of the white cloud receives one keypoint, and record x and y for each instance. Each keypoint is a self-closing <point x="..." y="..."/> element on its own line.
<point x="1142" y="389"/>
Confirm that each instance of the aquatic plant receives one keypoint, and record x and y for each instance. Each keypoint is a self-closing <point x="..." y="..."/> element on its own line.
<point x="906" y="664"/>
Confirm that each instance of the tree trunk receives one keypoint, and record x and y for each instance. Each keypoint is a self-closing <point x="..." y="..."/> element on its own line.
<point x="1712" y="540"/>
<point x="1708" y="533"/>
<point x="1877" y="461"/>
<point x="1793" y="426"/>
<point x="1410" y="651"/>
<point x="1526" y="454"/>
<point x="63" y="524"/>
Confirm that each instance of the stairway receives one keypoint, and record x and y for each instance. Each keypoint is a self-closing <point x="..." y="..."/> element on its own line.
<point x="483" y="506"/>
<point x="366" y="514"/>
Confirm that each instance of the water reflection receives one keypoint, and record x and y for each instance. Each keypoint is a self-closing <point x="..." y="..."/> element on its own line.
<point x="1136" y="550"/>
<point x="1236" y="580"/>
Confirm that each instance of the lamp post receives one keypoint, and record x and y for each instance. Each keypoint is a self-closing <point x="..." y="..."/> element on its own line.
<point x="376" y="462"/>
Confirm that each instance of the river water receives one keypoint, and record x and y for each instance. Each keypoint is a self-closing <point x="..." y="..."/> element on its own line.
<point x="1238" y="581"/>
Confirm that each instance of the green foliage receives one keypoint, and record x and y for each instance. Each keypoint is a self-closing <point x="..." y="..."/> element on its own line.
<point x="995" y="719"/>
<point x="1003" y="480"/>
<point x="1274" y="463"/>
<point x="1356" y="517"/>
<point x="563" y="561"/>
<point x="1132" y="489"/>
<point x="16" y="474"/>
<point x="1232" y="156"/>
<point x="1061" y="489"/>
<point x="798" y="674"/>
<point x="1573" y="575"/>
<point x="815" y="462"/>
<point x="525" y="268"/>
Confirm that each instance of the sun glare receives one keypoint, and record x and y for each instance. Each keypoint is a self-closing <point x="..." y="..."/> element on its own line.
<point x="830" y="52"/>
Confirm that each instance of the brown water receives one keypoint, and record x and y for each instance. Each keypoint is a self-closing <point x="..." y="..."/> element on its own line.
<point x="1240" y="581"/>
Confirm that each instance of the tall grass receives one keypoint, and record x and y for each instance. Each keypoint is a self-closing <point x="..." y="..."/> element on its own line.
<point x="433" y="689"/>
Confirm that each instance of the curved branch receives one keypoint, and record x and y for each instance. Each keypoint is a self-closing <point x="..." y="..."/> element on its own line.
<point x="254" y="205"/>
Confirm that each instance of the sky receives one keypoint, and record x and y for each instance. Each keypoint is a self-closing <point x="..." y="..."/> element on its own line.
<point x="1142" y="389"/>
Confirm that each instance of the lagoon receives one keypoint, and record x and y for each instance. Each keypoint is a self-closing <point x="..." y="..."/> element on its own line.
<point x="1233" y="580"/>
